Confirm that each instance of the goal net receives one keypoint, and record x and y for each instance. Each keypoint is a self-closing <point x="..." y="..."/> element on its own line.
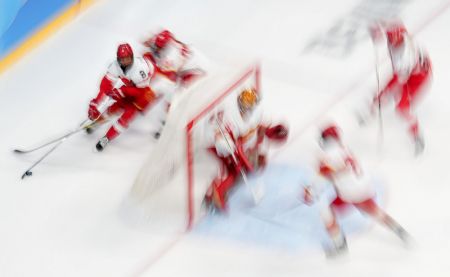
<point x="171" y="185"/>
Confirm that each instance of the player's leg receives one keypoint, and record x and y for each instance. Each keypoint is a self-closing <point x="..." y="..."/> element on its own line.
<point x="221" y="185"/>
<point x="413" y="90"/>
<point x="339" y="242"/>
<point x="370" y="208"/>
<point x="118" y="127"/>
<point x="110" y="111"/>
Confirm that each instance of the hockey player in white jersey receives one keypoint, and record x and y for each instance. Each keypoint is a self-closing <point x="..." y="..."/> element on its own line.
<point x="240" y="142"/>
<point x="411" y="76"/>
<point x="127" y="82"/>
<point x="338" y="167"/>
<point x="176" y="64"/>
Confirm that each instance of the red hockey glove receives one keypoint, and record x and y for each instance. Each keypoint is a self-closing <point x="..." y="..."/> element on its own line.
<point x="277" y="133"/>
<point x="389" y="88"/>
<point x="93" y="112"/>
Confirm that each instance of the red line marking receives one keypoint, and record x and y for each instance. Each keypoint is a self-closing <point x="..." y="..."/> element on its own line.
<point x="190" y="176"/>
<point x="158" y="256"/>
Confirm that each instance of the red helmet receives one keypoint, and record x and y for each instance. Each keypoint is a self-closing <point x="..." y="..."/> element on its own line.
<point x="124" y="51"/>
<point x="163" y="38"/>
<point x="395" y="34"/>
<point x="330" y="132"/>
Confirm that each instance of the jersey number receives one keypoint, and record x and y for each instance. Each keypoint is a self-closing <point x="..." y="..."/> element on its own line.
<point x="143" y="75"/>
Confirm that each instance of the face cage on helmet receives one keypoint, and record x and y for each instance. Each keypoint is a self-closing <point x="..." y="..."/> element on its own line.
<point x="119" y="60"/>
<point x="245" y="109"/>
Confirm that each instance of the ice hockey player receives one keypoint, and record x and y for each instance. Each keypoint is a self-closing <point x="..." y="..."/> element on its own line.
<point x="176" y="66"/>
<point x="127" y="82"/>
<point x="339" y="168"/>
<point x="240" y="143"/>
<point x="411" y="76"/>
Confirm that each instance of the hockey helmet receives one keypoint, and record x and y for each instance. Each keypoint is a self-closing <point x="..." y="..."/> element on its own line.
<point x="247" y="99"/>
<point x="395" y="33"/>
<point x="330" y="133"/>
<point x="124" y="54"/>
<point x="163" y="38"/>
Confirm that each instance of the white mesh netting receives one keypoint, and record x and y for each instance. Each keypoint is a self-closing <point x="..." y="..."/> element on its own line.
<point x="171" y="185"/>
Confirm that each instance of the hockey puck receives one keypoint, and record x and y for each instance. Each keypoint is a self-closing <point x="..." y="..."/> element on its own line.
<point x="27" y="173"/>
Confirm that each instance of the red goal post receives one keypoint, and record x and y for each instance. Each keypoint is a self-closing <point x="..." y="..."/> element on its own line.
<point x="171" y="184"/>
<point x="252" y="74"/>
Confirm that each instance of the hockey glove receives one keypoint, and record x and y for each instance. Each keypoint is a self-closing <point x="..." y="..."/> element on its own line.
<point x="93" y="112"/>
<point x="278" y="133"/>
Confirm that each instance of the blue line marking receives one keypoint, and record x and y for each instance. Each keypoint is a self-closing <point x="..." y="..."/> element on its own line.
<point x="31" y="17"/>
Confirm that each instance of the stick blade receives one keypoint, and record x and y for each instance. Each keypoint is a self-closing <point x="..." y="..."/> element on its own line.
<point x="258" y="193"/>
<point x="27" y="173"/>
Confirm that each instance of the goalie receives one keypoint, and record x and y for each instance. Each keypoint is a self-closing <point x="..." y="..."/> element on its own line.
<point x="240" y="144"/>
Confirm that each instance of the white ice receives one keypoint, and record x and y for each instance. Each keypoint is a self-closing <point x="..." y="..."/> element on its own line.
<point x="65" y="220"/>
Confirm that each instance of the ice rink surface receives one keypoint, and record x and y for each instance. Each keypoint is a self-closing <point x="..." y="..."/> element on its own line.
<point x="66" y="219"/>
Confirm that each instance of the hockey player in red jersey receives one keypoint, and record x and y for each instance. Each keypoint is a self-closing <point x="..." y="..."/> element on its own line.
<point x="176" y="66"/>
<point x="127" y="82"/>
<point x="240" y="143"/>
<point x="411" y="76"/>
<point x="339" y="168"/>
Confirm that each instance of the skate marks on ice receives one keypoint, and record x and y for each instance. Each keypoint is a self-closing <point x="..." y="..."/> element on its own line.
<point x="281" y="221"/>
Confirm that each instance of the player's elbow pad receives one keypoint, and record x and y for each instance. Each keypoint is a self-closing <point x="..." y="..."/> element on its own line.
<point x="106" y="85"/>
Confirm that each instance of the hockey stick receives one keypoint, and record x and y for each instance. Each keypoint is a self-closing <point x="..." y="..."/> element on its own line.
<point x="59" y="142"/>
<point x="28" y="171"/>
<point x="63" y="138"/>
<point x="82" y="126"/>
<point x="380" y="115"/>
<point x="377" y="31"/>
<point x="256" y="198"/>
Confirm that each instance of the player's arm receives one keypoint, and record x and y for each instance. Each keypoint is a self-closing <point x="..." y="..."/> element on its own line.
<point x="227" y="146"/>
<point x="107" y="84"/>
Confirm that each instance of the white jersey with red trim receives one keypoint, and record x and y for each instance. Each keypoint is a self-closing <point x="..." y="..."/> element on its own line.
<point x="338" y="166"/>
<point x="171" y="64"/>
<point x="406" y="59"/>
<point x="172" y="57"/>
<point x="241" y="128"/>
<point x="139" y="73"/>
